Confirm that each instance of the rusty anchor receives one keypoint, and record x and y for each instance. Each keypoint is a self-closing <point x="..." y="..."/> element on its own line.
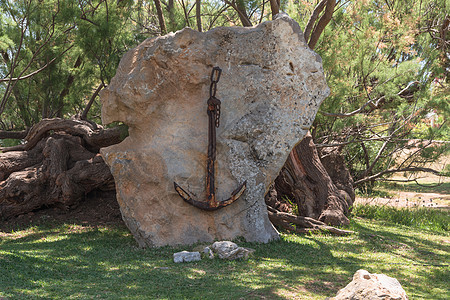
<point x="213" y="111"/>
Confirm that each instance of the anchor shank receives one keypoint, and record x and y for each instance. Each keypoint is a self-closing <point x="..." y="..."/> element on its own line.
<point x="210" y="188"/>
<point x="211" y="133"/>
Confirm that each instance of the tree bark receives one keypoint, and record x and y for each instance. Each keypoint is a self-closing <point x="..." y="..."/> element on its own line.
<point x="313" y="18"/>
<point x="198" y="15"/>
<point x="306" y="182"/>
<point x="239" y="7"/>
<point x="19" y="135"/>
<point x="162" y="22"/>
<point x="275" y="7"/>
<point x="94" y="136"/>
<point x="58" y="165"/>
<point x="91" y="101"/>
<point x="323" y="21"/>
<point x="171" y="10"/>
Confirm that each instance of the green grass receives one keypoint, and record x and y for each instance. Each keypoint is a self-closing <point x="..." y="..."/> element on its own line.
<point x="82" y="262"/>
<point x="422" y="217"/>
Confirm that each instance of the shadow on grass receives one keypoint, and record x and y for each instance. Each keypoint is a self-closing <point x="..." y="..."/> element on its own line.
<point x="422" y="266"/>
<point x="72" y="261"/>
<point x="85" y="262"/>
<point x="419" y="248"/>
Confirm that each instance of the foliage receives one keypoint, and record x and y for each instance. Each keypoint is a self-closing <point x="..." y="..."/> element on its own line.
<point x="423" y="218"/>
<point x="55" y="53"/>
<point x="389" y="90"/>
<point x="67" y="47"/>
<point x="78" y="261"/>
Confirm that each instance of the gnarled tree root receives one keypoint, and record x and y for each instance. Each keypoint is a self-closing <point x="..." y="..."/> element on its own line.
<point x="58" y="165"/>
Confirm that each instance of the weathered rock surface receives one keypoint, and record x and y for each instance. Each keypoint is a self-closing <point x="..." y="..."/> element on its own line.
<point x="271" y="87"/>
<point x="366" y="286"/>
<point x="185" y="256"/>
<point x="230" y="251"/>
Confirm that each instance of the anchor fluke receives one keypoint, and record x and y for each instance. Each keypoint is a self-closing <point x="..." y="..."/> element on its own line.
<point x="210" y="205"/>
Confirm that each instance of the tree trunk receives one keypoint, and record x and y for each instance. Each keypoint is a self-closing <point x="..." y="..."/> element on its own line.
<point x="323" y="21"/>
<point x="306" y="182"/>
<point x="242" y="12"/>
<point x="172" y="19"/>
<point x="275" y="7"/>
<point x="162" y="22"/>
<point x="58" y="165"/>
<point x="198" y="15"/>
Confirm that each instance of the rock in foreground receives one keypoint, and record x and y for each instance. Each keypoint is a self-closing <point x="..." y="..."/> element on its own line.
<point x="271" y="87"/>
<point x="185" y="256"/>
<point x="230" y="251"/>
<point x="366" y="286"/>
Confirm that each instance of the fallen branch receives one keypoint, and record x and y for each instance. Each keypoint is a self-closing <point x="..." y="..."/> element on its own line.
<point x="17" y="135"/>
<point x="301" y="224"/>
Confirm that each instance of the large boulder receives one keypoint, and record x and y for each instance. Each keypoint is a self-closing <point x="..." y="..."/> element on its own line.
<point x="271" y="87"/>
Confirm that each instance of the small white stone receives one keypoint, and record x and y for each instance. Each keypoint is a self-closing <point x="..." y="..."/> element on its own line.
<point x="185" y="256"/>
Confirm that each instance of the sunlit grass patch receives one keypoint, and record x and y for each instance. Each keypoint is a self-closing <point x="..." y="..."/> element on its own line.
<point x="424" y="218"/>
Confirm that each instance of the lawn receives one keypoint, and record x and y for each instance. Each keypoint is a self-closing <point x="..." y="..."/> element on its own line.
<point x="84" y="262"/>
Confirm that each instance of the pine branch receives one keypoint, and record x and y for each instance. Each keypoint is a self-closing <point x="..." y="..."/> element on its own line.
<point x="399" y="170"/>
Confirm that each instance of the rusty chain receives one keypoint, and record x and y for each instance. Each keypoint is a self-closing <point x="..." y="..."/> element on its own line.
<point x="213" y="101"/>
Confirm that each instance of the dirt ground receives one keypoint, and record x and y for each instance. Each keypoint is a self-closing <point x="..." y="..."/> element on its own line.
<point x="410" y="199"/>
<point x="440" y="200"/>
<point x="98" y="209"/>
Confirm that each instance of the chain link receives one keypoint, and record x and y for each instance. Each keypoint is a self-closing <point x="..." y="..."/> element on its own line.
<point x="217" y="113"/>
<point x="215" y="76"/>
<point x="213" y="89"/>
